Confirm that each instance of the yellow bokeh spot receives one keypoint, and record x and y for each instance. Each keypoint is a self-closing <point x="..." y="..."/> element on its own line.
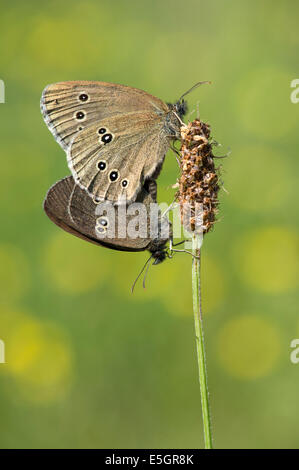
<point x="25" y="345"/>
<point x="22" y="190"/>
<point x="176" y="294"/>
<point x="171" y="283"/>
<point x="264" y="104"/>
<point x="249" y="346"/>
<point x="267" y="259"/>
<point x="38" y="356"/>
<point x="250" y="189"/>
<point x="62" y="31"/>
<point x="74" y="265"/>
<point x="212" y="284"/>
<point x="14" y="273"/>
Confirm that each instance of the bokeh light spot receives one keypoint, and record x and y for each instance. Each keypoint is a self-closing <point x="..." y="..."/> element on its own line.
<point x="66" y="31"/>
<point x="73" y="265"/>
<point x="269" y="188"/>
<point x="264" y="105"/>
<point x="38" y="356"/>
<point x="22" y="190"/>
<point x="213" y="284"/>
<point x="14" y="273"/>
<point x="267" y="259"/>
<point x="170" y="282"/>
<point x="249" y="346"/>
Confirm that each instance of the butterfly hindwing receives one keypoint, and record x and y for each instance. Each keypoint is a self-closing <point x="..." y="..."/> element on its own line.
<point x="56" y="206"/>
<point x="73" y="210"/>
<point x="89" y="218"/>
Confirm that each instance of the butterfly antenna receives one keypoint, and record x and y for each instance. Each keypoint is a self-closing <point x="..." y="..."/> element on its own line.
<point x="193" y="88"/>
<point x="145" y="275"/>
<point x="145" y="265"/>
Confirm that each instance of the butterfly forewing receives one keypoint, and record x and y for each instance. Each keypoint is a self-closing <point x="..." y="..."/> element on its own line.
<point x="68" y="107"/>
<point x="122" y="129"/>
<point x="111" y="159"/>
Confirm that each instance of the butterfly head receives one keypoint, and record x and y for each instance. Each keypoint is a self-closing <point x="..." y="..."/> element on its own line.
<point x="159" y="256"/>
<point x="158" y="251"/>
<point x="181" y="108"/>
<point x="174" y="117"/>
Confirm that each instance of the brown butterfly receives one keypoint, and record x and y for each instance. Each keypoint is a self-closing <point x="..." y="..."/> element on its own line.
<point x="71" y="208"/>
<point x="116" y="137"/>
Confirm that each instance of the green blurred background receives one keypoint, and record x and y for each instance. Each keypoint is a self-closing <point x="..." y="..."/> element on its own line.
<point x="88" y="364"/>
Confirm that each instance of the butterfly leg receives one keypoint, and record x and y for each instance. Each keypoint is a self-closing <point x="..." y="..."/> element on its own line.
<point x="169" y="208"/>
<point x="172" y="250"/>
<point x="177" y="244"/>
<point x="177" y="155"/>
<point x="174" y="149"/>
<point x="186" y="251"/>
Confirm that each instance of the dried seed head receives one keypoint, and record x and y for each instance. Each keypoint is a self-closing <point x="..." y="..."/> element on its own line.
<point x="199" y="182"/>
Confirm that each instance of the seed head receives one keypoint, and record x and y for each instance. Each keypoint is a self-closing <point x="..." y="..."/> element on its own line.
<point x="199" y="179"/>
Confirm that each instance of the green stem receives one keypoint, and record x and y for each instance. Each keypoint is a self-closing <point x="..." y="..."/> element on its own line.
<point x="201" y="359"/>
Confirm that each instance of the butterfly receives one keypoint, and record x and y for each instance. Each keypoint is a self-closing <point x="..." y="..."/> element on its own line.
<point x="115" y="137"/>
<point x="72" y="209"/>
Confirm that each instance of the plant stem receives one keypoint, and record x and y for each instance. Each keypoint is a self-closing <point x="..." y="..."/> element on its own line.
<point x="199" y="335"/>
